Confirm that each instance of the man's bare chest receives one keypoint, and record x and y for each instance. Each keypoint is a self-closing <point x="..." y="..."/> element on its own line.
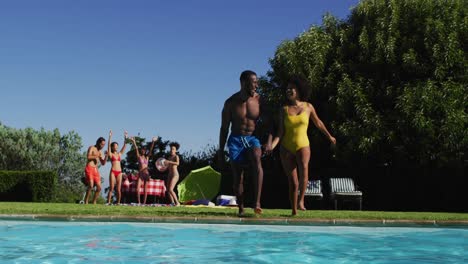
<point x="249" y="109"/>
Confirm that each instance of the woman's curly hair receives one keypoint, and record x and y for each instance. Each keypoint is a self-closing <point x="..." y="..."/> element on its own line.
<point x="302" y="87"/>
<point x="175" y="144"/>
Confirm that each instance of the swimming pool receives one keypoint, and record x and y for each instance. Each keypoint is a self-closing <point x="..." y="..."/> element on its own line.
<point x="100" y="242"/>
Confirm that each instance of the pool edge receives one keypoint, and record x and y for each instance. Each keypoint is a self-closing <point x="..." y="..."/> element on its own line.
<point x="240" y="221"/>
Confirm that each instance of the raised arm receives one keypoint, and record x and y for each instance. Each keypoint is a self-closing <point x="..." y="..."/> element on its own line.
<point x="319" y="124"/>
<point x="124" y="143"/>
<point x="155" y="139"/>
<point x="136" y="148"/>
<point x="109" y="144"/>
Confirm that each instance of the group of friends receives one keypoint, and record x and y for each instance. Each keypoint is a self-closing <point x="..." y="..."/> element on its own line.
<point x="240" y="114"/>
<point x="95" y="156"/>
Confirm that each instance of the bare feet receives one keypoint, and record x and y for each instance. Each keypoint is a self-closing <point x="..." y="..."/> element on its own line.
<point x="301" y="206"/>
<point x="258" y="210"/>
<point x="241" y="213"/>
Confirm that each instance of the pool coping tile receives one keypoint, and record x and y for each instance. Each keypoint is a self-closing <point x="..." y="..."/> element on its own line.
<point x="239" y="220"/>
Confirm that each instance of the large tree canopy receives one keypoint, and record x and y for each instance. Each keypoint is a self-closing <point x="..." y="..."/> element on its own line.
<point x="390" y="79"/>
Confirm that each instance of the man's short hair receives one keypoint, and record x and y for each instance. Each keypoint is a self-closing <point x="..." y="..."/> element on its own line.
<point x="245" y="75"/>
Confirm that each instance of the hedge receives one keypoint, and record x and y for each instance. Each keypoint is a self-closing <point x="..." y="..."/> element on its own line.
<point x="27" y="186"/>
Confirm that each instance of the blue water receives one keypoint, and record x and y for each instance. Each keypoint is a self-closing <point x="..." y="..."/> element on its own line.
<point x="80" y="242"/>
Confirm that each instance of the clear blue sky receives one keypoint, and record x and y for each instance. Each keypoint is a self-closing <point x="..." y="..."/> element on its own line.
<point x="151" y="67"/>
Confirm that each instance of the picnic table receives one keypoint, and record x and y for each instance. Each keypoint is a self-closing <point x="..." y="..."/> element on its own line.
<point x="155" y="188"/>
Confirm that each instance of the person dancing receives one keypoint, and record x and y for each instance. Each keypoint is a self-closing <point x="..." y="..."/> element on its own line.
<point x="295" y="149"/>
<point x="93" y="177"/>
<point x="143" y="172"/>
<point x="173" y="175"/>
<point x="115" y="175"/>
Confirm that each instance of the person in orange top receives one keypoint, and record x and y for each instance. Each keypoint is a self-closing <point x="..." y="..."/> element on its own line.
<point x="93" y="177"/>
<point x="115" y="175"/>
<point x="295" y="148"/>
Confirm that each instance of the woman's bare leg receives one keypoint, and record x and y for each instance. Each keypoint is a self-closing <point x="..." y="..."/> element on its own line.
<point x="172" y="183"/>
<point x="111" y="187"/>
<point x="290" y="169"/>
<point x="303" y="158"/>
<point x="146" y="191"/>
<point x="119" y="188"/>
<point x="138" y="190"/>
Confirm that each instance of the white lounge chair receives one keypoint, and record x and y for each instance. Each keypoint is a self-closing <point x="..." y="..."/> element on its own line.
<point x="314" y="189"/>
<point x="344" y="189"/>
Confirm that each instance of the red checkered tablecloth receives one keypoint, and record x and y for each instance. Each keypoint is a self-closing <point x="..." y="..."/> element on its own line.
<point x="155" y="187"/>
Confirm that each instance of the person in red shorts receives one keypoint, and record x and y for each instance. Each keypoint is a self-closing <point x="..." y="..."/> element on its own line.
<point x="92" y="173"/>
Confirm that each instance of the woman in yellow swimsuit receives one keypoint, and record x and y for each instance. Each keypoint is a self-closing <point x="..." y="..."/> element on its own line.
<point x="292" y="132"/>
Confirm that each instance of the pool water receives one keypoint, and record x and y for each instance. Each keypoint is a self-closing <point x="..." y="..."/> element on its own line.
<point x="97" y="242"/>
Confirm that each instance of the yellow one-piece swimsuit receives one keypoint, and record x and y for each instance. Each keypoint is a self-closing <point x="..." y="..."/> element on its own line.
<point x="295" y="131"/>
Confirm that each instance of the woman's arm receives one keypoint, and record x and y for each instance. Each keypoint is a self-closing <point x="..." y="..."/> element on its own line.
<point x="152" y="146"/>
<point x="109" y="144"/>
<point x="176" y="162"/>
<point x="136" y="148"/>
<point x="124" y="143"/>
<point x="319" y="124"/>
<point x="280" y="132"/>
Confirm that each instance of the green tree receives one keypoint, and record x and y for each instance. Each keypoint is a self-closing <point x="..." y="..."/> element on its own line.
<point x="29" y="149"/>
<point x="391" y="79"/>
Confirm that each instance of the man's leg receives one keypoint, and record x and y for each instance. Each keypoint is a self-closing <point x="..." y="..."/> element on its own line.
<point x="88" y="191"/>
<point x="238" y="186"/>
<point x="97" y="192"/>
<point x="255" y="157"/>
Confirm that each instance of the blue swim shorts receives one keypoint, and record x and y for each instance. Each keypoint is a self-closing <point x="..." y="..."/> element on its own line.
<point x="239" y="145"/>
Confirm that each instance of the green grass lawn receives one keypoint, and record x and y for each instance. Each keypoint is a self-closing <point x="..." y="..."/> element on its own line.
<point x="61" y="209"/>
